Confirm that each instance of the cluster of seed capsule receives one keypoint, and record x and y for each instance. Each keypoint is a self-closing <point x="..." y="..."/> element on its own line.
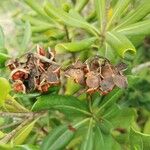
<point x="34" y="71"/>
<point x="97" y="74"/>
<point x="39" y="71"/>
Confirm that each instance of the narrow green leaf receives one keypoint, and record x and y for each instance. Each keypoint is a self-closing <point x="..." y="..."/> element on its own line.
<point x="80" y="4"/>
<point x="75" y="46"/>
<point x="35" y="21"/>
<point x="3" y="59"/>
<point x="37" y="7"/>
<point x="4" y="90"/>
<point x="120" y="43"/>
<point x="139" y="13"/>
<point x="118" y="10"/>
<point x="27" y="37"/>
<point x="140" y="28"/>
<point x="69" y="19"/>
<point x="2" y="42"/>
<point x="87" y="143"/>
<point x="25" y="147"/>
<point x="3" y="51"/>
<point x="71" y="87"/>
<point x="100" y="7"/>
<point x="66" y="104"/>
<point x="98" y="139"/>
<point x="38" y="29"/>
<point x="110" y="100"/>
<point x="21" y="135"/>
<point x="59" y="137"/>
<point x="139" y="139"/>
<point x="147" y="127"/>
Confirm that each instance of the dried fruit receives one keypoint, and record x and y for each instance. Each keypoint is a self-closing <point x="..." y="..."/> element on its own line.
<point x="98" y="74"/>
<point x="35" y="71"/>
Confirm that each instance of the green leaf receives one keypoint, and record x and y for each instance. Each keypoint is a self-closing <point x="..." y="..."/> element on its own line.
<point x="21" y="135"/>
<point x="120" y="43"/>
<point x="110" y="100"/>
<point x="37" y="7"/>
<point x="100" y="11"/>
<point x="147" y="127"/>
<point x="118" y="10"/>
<point x="87" y="143"/>
<point x="98" y="139"/>
<point x="67" y="104"/>
<point x="59" y="137"/>
<point x="4" y="90"/>
<point x="139" y="13"/>
<point x="2" y="42"/>
<point x="80" y="4"/>
<point x="3" y="59"/>
<point x="69" y="19"/>
<point x="25" y="147"/>
<point x="71" y="87"/>
<point x="27" y="37"/>
<point x="41" y="28"/>
<point x="139" y="140"/>
<point x="140" y="28"/>
<point x="124" y="118"/>
<point x="75" y="46"/>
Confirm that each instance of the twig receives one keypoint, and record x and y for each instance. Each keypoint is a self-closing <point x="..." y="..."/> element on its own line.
<point x="67" y="33"/>
<point x="140" y="67"/>
<point x="45" y="59"/>
<point x="10" y="125"/>
<point x="10" y="135"/>
<point x="9" y="114"/>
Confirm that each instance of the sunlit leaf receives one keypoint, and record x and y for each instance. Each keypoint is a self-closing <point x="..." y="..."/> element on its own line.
<point x="118" y="10"/>
<point x="147" y="127"/>
<point x="136" y="14"/>
<point x="4" y="90"/>
<point x="68" y="19"/>
<point x="21" y="135"/>
<point x="140" y="28"/>
<point x="25" y="147"/>
<point x="75" y="46"/>
<point x="80" y="4"/>
<point x="120" y="43"/>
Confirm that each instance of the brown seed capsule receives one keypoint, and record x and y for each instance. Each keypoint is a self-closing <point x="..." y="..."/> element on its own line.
<point x="41" y="51"/>
<point x="120" y="81"/>
<point x="77" y="75"/>
<point x="19" y="74"/>
<point x="54" y="68"/>
<point x="43" y="87"/>
<point x="12" y="64"/>
<point x="121" y="66"/>
<point x="92" y="80"/>
<point x="107" y="84"/>
<point x="18" y="86"/>
<point x="52" y="79"/>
